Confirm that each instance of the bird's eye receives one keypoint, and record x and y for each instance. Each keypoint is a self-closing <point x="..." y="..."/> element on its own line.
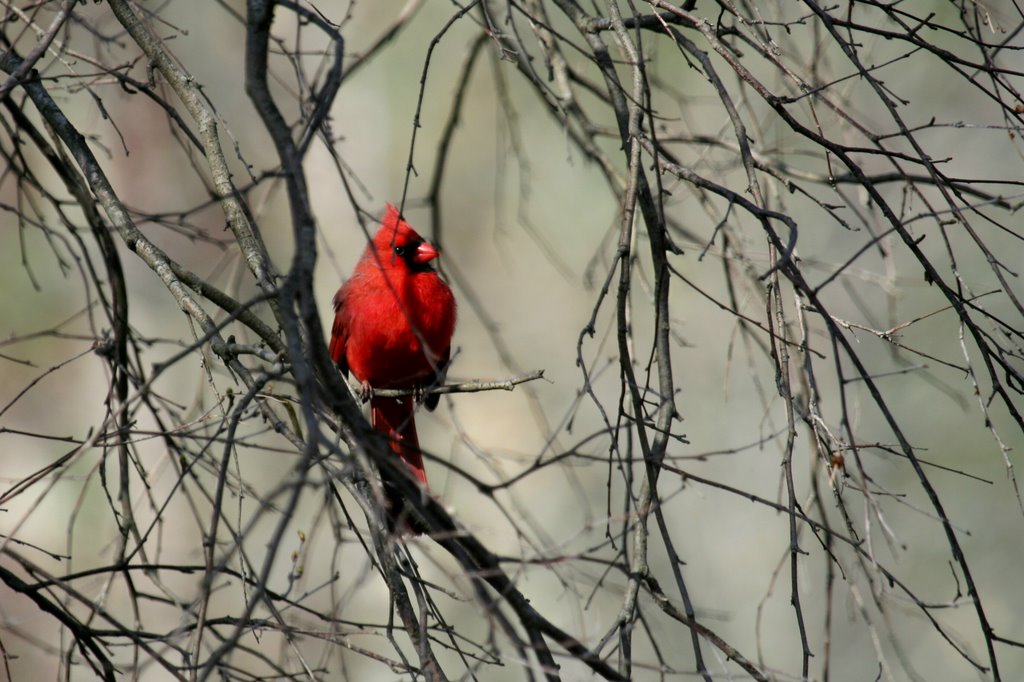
<point x="399" y="251"/>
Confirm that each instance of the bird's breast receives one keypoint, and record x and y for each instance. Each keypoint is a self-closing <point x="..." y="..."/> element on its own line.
<point x="399" y="340"/>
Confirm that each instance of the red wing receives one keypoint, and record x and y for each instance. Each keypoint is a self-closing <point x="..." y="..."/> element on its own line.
<point x="437" y="378"/>
<point x="339" y="332"/>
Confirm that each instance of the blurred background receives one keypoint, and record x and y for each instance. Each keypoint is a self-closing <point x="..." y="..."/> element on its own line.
<point x="529" y="226"/>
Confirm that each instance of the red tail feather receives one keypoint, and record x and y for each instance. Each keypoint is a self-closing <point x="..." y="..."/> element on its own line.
<point x="394" y="418"/>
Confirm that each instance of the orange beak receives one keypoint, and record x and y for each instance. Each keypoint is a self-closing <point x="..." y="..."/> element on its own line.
<point x="426" y="252"/>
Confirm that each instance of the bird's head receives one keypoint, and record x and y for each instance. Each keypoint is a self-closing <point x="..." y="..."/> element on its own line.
<point x="396" y="242"/>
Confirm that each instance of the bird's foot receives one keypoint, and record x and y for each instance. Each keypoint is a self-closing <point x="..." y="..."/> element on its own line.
<point x="365" y="391"/>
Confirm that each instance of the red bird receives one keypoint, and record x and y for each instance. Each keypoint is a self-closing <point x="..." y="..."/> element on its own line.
<point x="393" y="325"/>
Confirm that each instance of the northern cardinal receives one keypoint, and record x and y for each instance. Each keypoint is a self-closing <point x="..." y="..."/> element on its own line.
<point x="393" y="325"/>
